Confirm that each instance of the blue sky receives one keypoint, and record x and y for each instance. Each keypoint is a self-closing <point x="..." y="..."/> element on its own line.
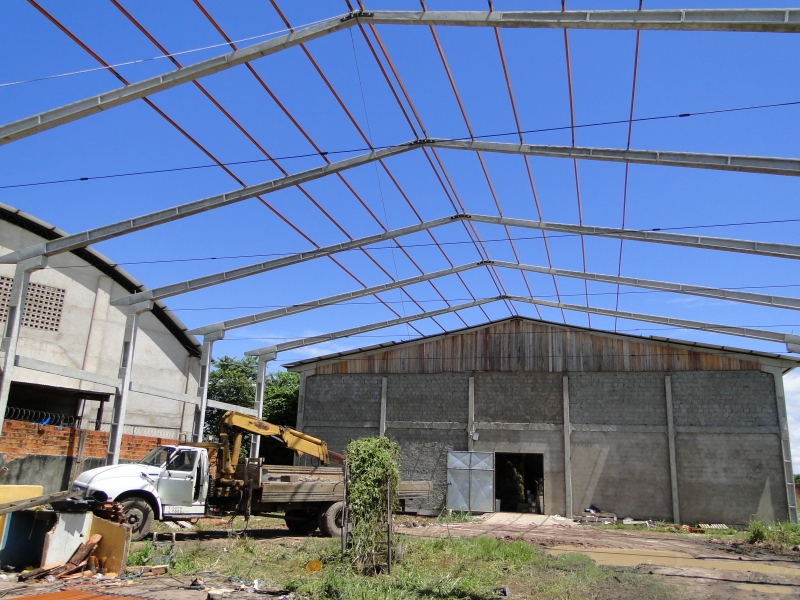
<point x="677" y="73"/>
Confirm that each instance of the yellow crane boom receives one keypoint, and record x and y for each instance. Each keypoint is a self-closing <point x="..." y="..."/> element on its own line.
<point x="297" y="441"/>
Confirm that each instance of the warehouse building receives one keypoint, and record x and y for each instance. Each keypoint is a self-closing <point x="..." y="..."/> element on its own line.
<point x="527" y="415"/>
<point x="69" y="330"/>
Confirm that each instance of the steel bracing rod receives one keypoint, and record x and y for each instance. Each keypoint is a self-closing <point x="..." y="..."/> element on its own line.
<point x="317" y="339"/>
<point x="675" y="239"/>
<point x="722" y="162"/>
<point x="658" y="237"/>
<point x="768" y="20"/>
<point x="758" y="334"/>
<point x="304" y="306"/>
<point x="191" y="285"/>
<point x="147" y="87"/>
<point x="665" y="286"/>
<point x="93" y="236"/>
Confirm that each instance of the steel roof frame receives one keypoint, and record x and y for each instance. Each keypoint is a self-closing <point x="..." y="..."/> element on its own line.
<point x="792" y="341"/>
<point x="216" y="329"/>
<point x="768" y="20"/>
<point x="751" y="164"/>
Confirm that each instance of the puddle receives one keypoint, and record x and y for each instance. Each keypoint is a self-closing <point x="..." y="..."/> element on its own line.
<point x="626" y="557"/>
<point x="766" y="589"/>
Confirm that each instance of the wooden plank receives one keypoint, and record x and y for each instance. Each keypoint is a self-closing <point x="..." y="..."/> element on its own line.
<point x="8" y="507"/>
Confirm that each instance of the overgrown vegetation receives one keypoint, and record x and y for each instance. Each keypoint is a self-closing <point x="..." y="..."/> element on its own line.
<point x="233" y="380"/>
<point x="466" y="568"/>
<point x="374" y="464"/>
<point x="781" y="534"/>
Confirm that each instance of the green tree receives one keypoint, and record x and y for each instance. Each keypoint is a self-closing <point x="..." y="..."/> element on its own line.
<point x="233" y="381"/>
<point x="281" y="391"/>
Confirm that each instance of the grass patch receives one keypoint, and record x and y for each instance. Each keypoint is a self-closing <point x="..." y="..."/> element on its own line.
<point x="465" y="568"/>
<point x="781" y="533"/>
<point x="455" y="516"/>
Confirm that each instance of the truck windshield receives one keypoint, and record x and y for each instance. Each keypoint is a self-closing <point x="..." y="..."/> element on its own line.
<point x="157" y="456"/>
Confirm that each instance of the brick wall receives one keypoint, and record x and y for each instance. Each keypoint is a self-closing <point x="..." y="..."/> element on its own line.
<point x="20" y="439"/>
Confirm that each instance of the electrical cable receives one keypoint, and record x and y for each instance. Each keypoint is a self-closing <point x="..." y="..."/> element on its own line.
<point x="496" y="240"/>
<point x="366" y="149"/>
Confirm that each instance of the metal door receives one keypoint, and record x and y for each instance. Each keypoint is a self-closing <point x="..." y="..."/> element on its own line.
<point x="177" y="479"/>
<point x="470" y="481"/>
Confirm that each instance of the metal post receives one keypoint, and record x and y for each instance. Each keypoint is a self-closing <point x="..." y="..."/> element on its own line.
<point x="16" y="306"/>
<point x="382" y="424"/>
<point x="202" y="389"/>
<point x="567" y="451"/>
<point x="264" y="357"/>
<point x="471" y="415"/>
<point x="673" y="465"/>
<point x="124" y="375"/>
<point x="786" y="450"/>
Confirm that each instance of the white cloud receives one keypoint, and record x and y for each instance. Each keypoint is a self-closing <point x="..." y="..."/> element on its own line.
<point x="791" y="384"/>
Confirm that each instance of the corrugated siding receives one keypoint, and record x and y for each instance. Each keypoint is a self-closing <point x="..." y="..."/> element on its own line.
<point x="529" y="346"/>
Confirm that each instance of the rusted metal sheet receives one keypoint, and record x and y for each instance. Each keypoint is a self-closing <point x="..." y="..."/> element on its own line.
<point x="523" y="345"/>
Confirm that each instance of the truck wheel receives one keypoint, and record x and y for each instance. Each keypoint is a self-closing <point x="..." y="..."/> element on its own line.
<point x="330" y="520"/>
<point x="138" y="515"/>
<point x="300" y="522"/>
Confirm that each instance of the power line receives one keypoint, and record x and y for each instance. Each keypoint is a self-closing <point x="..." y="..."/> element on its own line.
<point x="153" y="58"/>
<point x="468" y="242"/>
<point x="365" y="149"/>
<point x="371" y="302"/>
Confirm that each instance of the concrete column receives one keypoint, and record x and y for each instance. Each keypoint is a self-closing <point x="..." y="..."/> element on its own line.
<point x="94" y="340"/>
<point x="471" y="415"/>
<point x="301" y="407"/>
<point x="382" y="425"/>
<point x="16" y="306"/>
<point x="264" y="356"/>
<point x="673" y="465"/>
<point x="124" y="375"/>
<point x="567" y="450"/>
<point x="202" y="389"/>
<point x="786" y="450"/>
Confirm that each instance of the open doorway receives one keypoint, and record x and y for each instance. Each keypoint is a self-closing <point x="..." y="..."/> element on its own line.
<point x="519" y="482"/>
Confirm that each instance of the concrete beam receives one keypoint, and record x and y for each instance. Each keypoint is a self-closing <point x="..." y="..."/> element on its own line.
<point x="693" y="160"/>
<point x="768" y="20"/>
<point x="757" y="334"/>
<point x="152" y="85"/>
<point x="658" y="237"/>
<point x="381" y="325"/>
<point x="664" y="286"/>
<point x="198" y="283"/>
<point x="92" y="236"/>
<point x="298" y="308"/>
<point x="47" y="367"/>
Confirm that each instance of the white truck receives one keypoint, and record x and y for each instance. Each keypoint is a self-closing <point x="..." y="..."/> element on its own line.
<point x="199" y="480"/>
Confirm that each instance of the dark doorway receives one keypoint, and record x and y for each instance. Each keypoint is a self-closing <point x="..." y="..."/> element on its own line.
<point x="519" y="482"/>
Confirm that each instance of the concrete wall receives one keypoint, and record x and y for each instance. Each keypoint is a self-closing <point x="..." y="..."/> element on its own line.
<point x="728" y="454"/>
<point x="90" y="338"/>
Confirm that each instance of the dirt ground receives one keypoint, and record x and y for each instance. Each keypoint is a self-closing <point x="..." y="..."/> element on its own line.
<point x="700" y="566"/>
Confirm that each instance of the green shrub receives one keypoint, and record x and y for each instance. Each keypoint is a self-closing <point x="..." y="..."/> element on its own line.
<point x="372" y="463"/>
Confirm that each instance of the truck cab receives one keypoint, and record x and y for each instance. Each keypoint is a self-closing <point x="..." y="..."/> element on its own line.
<point x="170" y="482"/>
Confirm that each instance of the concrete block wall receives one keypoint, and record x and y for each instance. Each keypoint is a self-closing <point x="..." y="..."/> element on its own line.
<point x="519" y="397"/>
<point x="617" y="398"/>
<point x="740" y="399"/>
<point x="625" y="473"/>
<point x="433" y="398"/>
<point x="729" y="460"/>
<point x="424" y="458"/>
